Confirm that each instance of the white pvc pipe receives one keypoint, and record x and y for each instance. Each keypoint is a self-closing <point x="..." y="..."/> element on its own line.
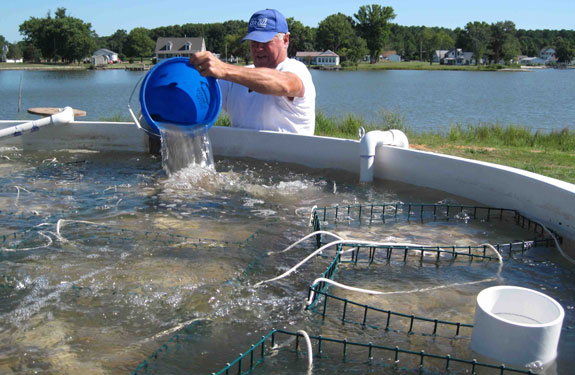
<point x="64" y="117"/>
<point x="517" y="326"/>
<point x="370" y="142"/>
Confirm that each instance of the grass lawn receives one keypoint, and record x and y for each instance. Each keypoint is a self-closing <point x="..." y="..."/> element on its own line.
<point x="556" y="164"/>
<point x="420" y="65"/>
<point x="549" y="154"/>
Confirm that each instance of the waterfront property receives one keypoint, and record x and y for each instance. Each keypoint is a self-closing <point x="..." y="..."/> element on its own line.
<point x="178" y="47"/>
<point x="104" y="56"/>
<point x="453" y="56"/>
<point x="325" y="58"/>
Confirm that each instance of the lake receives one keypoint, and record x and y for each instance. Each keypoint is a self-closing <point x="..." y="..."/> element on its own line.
<point x="427" y="100"/>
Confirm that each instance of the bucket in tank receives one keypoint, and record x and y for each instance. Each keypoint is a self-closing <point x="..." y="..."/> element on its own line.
<point x="517" y="326"/>
<point x="173" y="93"/>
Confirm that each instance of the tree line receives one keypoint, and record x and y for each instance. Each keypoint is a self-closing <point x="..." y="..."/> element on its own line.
<point x="62" y="38"/>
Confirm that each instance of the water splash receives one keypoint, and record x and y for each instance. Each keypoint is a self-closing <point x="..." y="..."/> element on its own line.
<point x="184" y="147"/>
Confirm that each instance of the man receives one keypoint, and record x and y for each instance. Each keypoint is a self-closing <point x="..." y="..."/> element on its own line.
<point x="276" y="93"/>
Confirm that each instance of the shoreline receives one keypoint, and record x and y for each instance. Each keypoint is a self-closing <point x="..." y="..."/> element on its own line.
<point x="361" y="67"/>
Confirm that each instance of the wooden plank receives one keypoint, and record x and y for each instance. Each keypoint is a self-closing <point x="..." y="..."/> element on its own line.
<point x="47" y="111"/>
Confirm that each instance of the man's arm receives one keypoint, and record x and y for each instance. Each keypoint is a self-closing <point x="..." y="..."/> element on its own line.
<point x="263" y="80"/>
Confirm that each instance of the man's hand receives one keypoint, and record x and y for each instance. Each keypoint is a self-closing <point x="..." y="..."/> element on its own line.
<point x="208" y="65"/>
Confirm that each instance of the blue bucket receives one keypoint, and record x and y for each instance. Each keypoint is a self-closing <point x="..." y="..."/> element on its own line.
<point x="174" y="93"/>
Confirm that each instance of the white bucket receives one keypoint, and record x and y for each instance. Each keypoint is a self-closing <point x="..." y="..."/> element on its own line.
<point x="516" y="326"/>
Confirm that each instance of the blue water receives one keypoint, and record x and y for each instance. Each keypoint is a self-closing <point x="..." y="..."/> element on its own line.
<point x="427" y="100"/>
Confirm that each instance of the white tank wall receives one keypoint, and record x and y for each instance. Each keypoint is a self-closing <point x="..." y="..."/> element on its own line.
<point x="103" y="136"/>
<point x="550" y="201"/>
<point x="311" y="151"/>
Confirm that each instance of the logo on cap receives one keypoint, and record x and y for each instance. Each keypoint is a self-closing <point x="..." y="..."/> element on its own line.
<point x="260" y="23"/>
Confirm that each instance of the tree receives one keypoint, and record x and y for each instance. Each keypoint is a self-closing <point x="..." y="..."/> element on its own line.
<point x="433" y="39"/>
<point x="14" y="51"/>
<point x="117" y="41"/>
<point x="215" y="35"/>
<point x="236" y="47"/>
<point x="139" y="44"/>
<point x="500" y="33"/>
<point x="479" y="35"/>
<point x="564" y="51"/>
<point x="335" y="32"/>
<point x="373" y="26"/>
<point x="301" y="37"/>
<point x="60" y="38"/>
<point x="355" y="54"/>
<point x="32" y="54"/>
<point x="511" y="49"/>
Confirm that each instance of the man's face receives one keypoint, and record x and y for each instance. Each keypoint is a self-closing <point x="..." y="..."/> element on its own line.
<point x="270" y="54"/>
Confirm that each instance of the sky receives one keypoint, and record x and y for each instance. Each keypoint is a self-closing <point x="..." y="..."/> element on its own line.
<point x="107" y="16"/>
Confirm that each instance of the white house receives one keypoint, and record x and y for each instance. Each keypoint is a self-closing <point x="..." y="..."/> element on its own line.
<point x="104" y="56"/>
<point x="454" y="56"/>
<point x="548" y="54"/>
<point x="326" y="58"/>
<point x="178" y="47"/>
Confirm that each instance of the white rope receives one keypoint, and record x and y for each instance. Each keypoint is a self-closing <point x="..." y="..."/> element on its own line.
<point x="18" y="195"/>
<point x="61" y="222"/>
<point x="375" y="292"/>
<point x="309" y="348"/>
<point x="494" y="251"/>
<point x="321" y="249"/>
<point x="569" y="259"/>
<point x="175" y="328"/>
<point x="32" y="248"/>
<point x="305" y="238"/>
<point x="341" y="240"/>
<point x="343" y="286"/>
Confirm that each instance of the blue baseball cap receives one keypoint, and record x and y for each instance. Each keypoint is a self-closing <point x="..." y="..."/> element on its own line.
<point x="265" y="24"/>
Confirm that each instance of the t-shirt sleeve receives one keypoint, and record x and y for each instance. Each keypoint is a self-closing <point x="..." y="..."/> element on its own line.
<point x="299" y="69"/>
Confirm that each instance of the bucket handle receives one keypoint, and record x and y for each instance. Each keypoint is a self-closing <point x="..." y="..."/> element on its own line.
<point x="134" y="117"/>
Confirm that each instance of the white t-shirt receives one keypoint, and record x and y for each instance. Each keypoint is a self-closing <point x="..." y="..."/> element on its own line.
<point x="252" y="110"/>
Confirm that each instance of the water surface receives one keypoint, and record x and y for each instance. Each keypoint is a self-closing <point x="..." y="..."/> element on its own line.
<point x="541" y="99"/>
<point x="104" y="259"/>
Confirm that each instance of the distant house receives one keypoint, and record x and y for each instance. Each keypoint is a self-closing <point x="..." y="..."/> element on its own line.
<point x="526" y="60"/>
<point x="548" y="54"/>
<point x="454" y="56"/>
<point x="104" y="56"/>
<point x="326" y="58"/>
<point x="390" y="56"/>
<point x="439" y="55"/>
<point x="178" y="47"/>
